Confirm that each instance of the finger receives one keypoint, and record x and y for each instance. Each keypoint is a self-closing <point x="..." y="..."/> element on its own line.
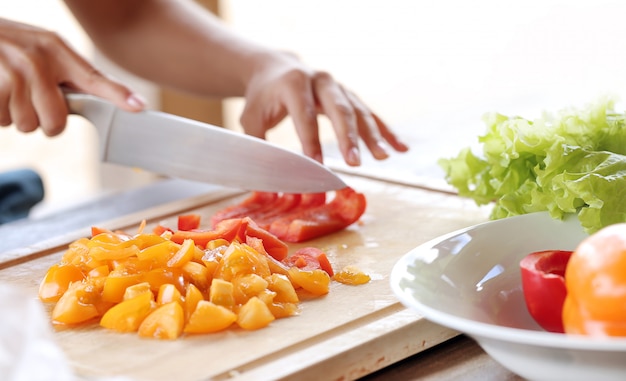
<point x="389" y="136"/>
<point x="21" y="107"/>
<point x="258" y="117"/>
<point x="51" y="107"/>
<point x="79" y="75"/>
<point x="5" y="95"/>
<point x="47" y="98"/>
<point x="336" y="105"/>
<point x="300" y="105"/>
<point x="368" y="128"/>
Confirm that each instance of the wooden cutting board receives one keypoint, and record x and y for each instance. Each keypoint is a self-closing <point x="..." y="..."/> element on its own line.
<point x="351" y="332"/>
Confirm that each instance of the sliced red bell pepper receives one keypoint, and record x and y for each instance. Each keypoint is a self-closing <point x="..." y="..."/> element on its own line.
<point x="256" y="202"/>
<point x="543" y="283"/>
<point x="272" y="244"/>
<point x="228" y="229"/>
<point x="298" y="217"/>
<point x="310" y="258"/>
<point x="188" y="221"/>
<point x="284" y="204"/>
<point x="346" y="208"/>
<point x="160" y="229"/>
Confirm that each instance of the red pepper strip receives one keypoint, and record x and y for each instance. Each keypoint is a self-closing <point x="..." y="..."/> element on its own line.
<point x="310" y="200"/>
<point x="255" y="202"/>
<point x="288" y="205"/>
<point x="310" y="258"/>
<point x="235" y="229"/>
<point x="160" y="229"/>
<point x="188" y="221"/>
<point x="543" y="282"/>
<point x="284" y="204"/>
<point x="345" y="209"/>
<point x="228" y="229"/>
<point x="275" y="265"/>
<point x="272" y="244"/>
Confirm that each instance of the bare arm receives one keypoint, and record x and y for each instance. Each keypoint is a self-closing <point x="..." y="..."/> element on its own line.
<point x="179" y="44"/>
<point x="174" y="43"/>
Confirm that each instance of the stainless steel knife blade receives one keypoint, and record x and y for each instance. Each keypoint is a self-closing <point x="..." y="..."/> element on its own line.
<point x="183" y="148"/>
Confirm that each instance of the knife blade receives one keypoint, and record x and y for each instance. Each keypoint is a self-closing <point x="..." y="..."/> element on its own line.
<point x="178" y="147"/>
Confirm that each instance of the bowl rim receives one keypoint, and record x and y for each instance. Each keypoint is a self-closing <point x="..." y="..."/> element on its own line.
<point x="478" y="329"/>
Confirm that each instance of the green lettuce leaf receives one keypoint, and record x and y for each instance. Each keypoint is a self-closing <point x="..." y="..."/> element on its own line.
<point x="570" y="162"/>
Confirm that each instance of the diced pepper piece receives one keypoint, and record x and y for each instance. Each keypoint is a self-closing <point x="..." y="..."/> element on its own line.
<point x="138" y="289"/>
<point x="209" y="317"/>
<point x="184" y="254"/>
<point x="192" y="297"/>
<point x="168" y="293"/>
<point x="247" y="286"/>
<point x="317" y="282"/>
<point x="198" y="274"/>
<point x="281" y="285"/>
<point x="240" y="259"/>
<point x="165" y="322"/>
<point x="309" y="258"/>
<point x="57" y="281"/>
<point x="188" y="221"/>
<point x="161" y="276"/>
<point x="78" y="304"/>
<point x="129" y="314"/>
<point x="115" y="285"/>
<point x="272" y="244"/>
<point x="351" y="275"/>
<point x="254" y="315"/>
<point x="110" y="254"/>
<point x="221" y="293"/>
<point x="159" y="254"/>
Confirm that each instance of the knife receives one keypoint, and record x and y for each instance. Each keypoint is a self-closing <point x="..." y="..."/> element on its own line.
<point x="178" y="147"/>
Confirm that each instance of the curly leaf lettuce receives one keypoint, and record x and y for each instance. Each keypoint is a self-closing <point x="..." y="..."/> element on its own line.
<point x="571" y="162"/>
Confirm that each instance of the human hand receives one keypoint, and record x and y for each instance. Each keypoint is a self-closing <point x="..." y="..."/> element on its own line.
<point x="35" y="65"/>
<point x="283" y="86"/>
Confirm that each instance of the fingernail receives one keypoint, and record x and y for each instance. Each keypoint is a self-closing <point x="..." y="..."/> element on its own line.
<point x="318" y="157"/>
<point x="381" y="150"/>
<point x="354" y="157"/>
<point x="136" y="101"/>
<point x="402" y="146"/>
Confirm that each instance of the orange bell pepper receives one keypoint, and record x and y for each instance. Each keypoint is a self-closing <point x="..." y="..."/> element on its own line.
<point x="208" y="317"/>
<point x="595" y="279"/>
<point x="80" y="303"/>
<point x="165" y="322"/>
<point x="192" y="281"/>
<point x="317" y="282"/>
<point x="129" y="314"/>
<point x="57" y="281"/>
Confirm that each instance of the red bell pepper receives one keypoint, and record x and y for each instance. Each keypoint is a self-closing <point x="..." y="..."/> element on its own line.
<point x="255" y="203"/>
<point x="298" y="217"/>
<point x="543" y="283"/>
<point x="310" y="258"/>
<point x="345" y="209"/>
<point x="188" y="221"/>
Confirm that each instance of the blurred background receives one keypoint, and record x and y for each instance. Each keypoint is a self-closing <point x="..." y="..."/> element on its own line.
<point x="431" y="69"/>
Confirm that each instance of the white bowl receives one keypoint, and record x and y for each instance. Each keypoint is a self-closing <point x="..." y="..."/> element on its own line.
<point x="469" y="280"/>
